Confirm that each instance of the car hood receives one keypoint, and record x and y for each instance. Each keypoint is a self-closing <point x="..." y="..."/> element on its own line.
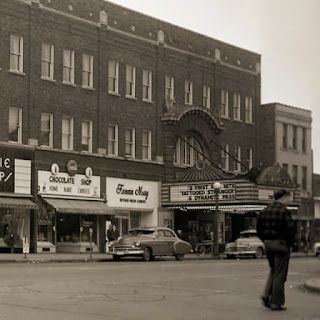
<point x="133" y="239"/>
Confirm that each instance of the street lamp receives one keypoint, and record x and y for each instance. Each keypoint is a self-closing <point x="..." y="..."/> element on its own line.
<point x="215" y="241"/>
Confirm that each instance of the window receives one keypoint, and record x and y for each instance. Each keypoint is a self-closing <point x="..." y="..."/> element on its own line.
<point x="16" y="53"/>
<point x="86" y="136"/>
<point x="68" y="66"/>
<point x="87" y="71"/>
<point x="248" y="109"/>
<point x="130" y="81"/>
<point x="304" y="178"/>
<point x="285" y="136"/>
<point x="224" y="104"/>
<point x="304" y="140"/>
<point x="130" y="137"/>
<point x="206" y="97"/>
<point x="237" y="161"/>
<point x="188" y="151"/>
<point x="112" y="140"/>
<point x="236" y="106"/>
<point x="15" y="125"/>
<point x="294" y="137"/>
<point x="146" y="85"/>
<point x="169" y="88"/>
<point x="67" y="133"/>
<point x="113" y="84"/>
<point x="188" y="94"/>
<point x="146" y="145"/>
<point x="295" y="174"/>
<point x="46" y="135"/>
<point x="225" y="157"/>
<point x="285" y="166"/>
<point x="47" y="61"/>
<point x="249" y="157"/>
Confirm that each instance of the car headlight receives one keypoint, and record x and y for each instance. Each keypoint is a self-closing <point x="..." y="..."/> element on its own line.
<point x="137" y="243"/>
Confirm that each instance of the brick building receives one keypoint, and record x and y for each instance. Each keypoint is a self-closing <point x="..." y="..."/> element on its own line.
<point x="110" y="103"/>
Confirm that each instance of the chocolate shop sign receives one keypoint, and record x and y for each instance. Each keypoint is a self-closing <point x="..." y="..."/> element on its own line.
<point x="62" y="184"/>
<point x="133" y="194"/>
<point x="201" y="193"/>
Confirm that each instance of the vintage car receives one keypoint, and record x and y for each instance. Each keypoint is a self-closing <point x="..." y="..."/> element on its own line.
<point x="316" y="248"/>
<point x="248" y="244"/>
<point x="148" y="242"/>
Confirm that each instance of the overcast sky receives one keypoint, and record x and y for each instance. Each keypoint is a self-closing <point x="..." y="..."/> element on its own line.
<point x="285" y="32"/>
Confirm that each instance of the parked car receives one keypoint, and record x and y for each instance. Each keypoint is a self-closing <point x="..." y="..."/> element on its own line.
<point x="316" y="248"/>
<point x="148" y="242"/>
<point x="248" y="244"/>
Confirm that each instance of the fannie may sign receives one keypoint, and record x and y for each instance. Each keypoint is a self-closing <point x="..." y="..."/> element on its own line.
<point x="201" y="192"/>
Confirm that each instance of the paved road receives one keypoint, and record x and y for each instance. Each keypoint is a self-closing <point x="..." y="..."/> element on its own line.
<point x="166" y="290"/>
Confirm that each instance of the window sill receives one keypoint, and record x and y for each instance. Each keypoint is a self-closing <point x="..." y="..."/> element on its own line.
<point x="147" y="101"/>
<point x="116" y="94"/>
<point x="188" y="104"/>
<point x="69" y="84"/>
<point x="131" y="97"/>
<point x="88" y="88"/>
<point x="19" y="73"/>
<point x="48" y="79"/>
<point x="86" y="152"/>
<point x="238" y="120"/>
<point x="225" y="118"/>
<point x="46" y="147"/>
<point x="250" y="123"/>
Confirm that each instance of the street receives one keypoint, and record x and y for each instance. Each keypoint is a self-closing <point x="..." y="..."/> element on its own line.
<point x="164" y="289"/>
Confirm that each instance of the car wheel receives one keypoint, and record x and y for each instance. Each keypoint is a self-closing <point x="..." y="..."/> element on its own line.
<point x="200" y="250"/>
<point x="115" y="257"/>
<point x="179" y="257"/>
<point x="147" y="256"/>
<point x="259" y="253"/>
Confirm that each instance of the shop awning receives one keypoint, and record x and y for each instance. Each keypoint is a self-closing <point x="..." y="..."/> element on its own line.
<point x="15" y="202"/>
<point x="78" y="206"/>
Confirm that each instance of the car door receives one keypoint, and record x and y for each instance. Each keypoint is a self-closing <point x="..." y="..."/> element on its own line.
<point x="158" y="243"/>
<point x="170" y="240"/>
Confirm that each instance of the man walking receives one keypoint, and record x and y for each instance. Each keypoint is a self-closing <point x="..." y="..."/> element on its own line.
<point x="276" y="229"/>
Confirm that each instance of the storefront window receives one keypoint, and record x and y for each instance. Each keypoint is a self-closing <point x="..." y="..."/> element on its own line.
<point x="68" y="227"/>
<point x="45" y="233"/>
<point x="87" y="222"/>
<point x="135" y="220"/>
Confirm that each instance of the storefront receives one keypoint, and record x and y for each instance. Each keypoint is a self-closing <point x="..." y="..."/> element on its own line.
<point x="72" y="215"/>
<point x="133" y="203"/>
<point x="16" y="205"/>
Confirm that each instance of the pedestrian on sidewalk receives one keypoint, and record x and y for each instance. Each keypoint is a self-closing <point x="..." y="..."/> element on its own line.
<point x="276" y="229"/>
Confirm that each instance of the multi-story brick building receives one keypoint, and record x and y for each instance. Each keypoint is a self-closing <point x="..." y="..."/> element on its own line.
<point x="285" y="133"/>
<point x="104" y="104"/>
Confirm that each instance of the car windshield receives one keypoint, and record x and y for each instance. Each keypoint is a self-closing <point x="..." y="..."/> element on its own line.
<point x="248" y="235"/>
<point x="141" y="232"/>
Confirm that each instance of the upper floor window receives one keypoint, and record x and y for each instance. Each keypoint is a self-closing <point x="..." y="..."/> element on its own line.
<point x="285" y="166"/>
<point x="146" y="85"/>
<point x="285" y="135"/>
<point x="130" y="137"/>
<point x="47" y="61"/>
<point x="46" y="135"/>
<point x="237" y="160"/>
<point x="248" y="109"/>
<point x="294" y="137"/>
<point x="225" y="157"/>
<point x="224" y="104"/>
<point x="304" y="178"/>
<point x="15" y="125"/>
<point x="188" y="151"/>
<point x="16" y="53"/>
<point x="86" y="136"/>
<point x="68" y="66"/>
<point x="67" y="133"/>
<point x="169" y="88"/>
<point x="249" y="157"/>
<point x="146" y="145"/>
<point x="304" y="140"/>
<point x="130" y="81"/>
<point x="113" y="83"/>
<point x="295" y="174"/>
<point x="236" y="106"/>
<point x="206" y="97"/>
<point x="112" y="140"/>
<point x="87" y="71"/>
<point x="188" y="92"/>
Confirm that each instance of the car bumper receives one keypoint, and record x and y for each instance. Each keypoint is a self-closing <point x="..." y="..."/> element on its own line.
<point x="240" y="253"/>
<point x="126" y="252"/>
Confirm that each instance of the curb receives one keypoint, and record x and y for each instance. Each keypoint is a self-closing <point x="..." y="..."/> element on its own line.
<point x="313" y="285"/>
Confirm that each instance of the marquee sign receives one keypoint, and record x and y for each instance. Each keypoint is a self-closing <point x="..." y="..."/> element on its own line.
<point x="201" y="192"/>
<point x="133" y="194"/>
<point x="63" y="184"/>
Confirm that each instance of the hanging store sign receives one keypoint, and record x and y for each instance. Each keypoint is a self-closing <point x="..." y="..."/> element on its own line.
<point x="201" y="192"/>
<point x="133" y="194"/>
<point x="63" y="184"/>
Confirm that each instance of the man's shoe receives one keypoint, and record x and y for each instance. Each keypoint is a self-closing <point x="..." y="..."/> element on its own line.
<point x="265" y="302"/>
<point x="274" y="307"/>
